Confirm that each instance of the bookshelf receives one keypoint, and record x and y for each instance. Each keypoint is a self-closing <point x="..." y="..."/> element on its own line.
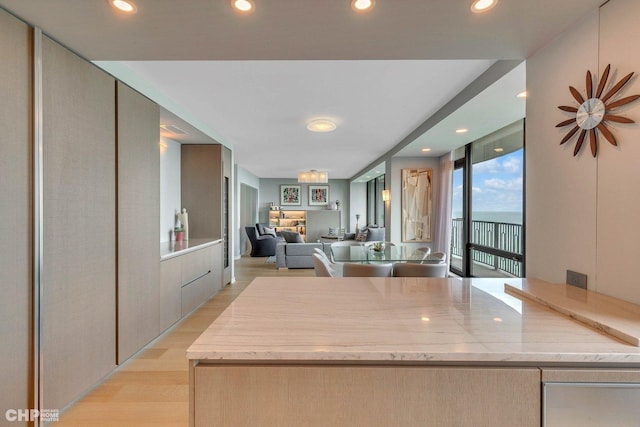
<point x="289" y="220"/>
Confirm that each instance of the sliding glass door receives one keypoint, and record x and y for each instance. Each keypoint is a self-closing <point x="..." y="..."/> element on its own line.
<point x="487" y="209"/>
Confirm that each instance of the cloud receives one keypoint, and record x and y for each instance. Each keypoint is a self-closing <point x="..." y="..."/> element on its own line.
<point x="504" y="184"/>
<point x="511" y="164"/>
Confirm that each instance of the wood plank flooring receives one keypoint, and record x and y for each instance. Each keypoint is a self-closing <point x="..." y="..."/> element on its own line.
<point x="151" y="388"/>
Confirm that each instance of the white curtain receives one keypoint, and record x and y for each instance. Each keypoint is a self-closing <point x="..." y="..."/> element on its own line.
<point x="442" y="241"/>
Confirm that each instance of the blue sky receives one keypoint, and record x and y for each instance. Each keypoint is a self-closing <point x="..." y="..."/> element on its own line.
<point x="497" y="185"/>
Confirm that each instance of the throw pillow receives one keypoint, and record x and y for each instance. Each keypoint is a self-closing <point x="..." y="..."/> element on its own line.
<point x="292" y="237"/>
<point x="269" y="231"/>
<point x="362" y="236"/>
<point x="260" y="229"/>
<point x="333" y="231"/>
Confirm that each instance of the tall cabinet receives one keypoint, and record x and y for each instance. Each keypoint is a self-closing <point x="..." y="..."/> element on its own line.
<point x="205" y="192"/>
<point x="138" y="135"/>
<point x="15" y="217"/>
<point x="79" y="173"/>
<point x="79" y="204"/>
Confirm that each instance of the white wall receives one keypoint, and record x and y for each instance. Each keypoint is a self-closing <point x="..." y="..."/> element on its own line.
<point x="394" y="232"/>
<point x="580" y="209"/>
<point x="358" y="205"/>
<point x="169" y="187"/>
<point x="618" y="197"/>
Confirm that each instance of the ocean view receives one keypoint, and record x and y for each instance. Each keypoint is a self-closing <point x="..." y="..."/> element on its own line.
<point x="506" y="217"/>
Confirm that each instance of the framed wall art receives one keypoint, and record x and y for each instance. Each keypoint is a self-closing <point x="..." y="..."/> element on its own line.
<point x="417" y="205"/>
<point x="318" y="195"/>
<point x="290" y="195"/>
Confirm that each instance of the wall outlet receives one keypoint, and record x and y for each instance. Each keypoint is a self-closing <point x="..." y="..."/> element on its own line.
<point x="577" y="279"/>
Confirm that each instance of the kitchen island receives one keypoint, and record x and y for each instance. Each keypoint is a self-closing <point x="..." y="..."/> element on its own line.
<point x="392" y="351"/>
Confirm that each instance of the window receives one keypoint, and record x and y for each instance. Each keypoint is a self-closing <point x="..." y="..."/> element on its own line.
<point x="375" y="204"/>
<point x="487" y="238"/>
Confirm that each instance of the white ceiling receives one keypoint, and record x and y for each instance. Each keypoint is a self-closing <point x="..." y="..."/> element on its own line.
<point x="252" y="82"/>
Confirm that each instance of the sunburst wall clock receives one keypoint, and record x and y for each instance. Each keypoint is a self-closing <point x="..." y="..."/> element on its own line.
<point x="594" y="111"/>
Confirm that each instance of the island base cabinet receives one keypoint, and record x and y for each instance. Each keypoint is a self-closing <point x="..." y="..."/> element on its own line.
<point x="369" y="396"/>
<point x="590" y="398"/>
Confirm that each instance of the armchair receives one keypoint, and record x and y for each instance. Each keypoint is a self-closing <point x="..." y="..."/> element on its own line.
<point x="261" y="245"/>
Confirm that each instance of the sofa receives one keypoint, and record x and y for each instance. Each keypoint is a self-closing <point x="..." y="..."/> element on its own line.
<point x="368" y="234"/>
<point x="298" y="255"/>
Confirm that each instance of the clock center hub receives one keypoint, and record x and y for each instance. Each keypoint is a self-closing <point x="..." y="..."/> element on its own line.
<point x="590" y="113"/>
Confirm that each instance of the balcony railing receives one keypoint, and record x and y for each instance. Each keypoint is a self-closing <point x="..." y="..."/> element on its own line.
<point x="502" y="236"/>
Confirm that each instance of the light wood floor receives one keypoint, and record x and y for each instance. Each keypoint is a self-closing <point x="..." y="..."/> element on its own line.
<point x="151" y="388"/>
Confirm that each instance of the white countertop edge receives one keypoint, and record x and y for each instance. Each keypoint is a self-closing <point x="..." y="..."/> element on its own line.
<point x="179" y="252"/>
<point x="426" y="358"/>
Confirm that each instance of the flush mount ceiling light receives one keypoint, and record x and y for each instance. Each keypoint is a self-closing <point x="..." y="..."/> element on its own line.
<point x="123" y="6"/>
<point x="243" y="6"/>
<point x="479" y="6"/>
<point x="462" y="130"/>
<point x="498" y="150"/>
<point x="362" y="5"/>
<point x="426" y="150"/>
<point x="522" y="94"/>
<point x="321" y="125"/>
<point x="313" y="177"/>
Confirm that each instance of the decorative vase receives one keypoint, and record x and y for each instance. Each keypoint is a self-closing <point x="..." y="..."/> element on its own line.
<point x="179" y="236"/>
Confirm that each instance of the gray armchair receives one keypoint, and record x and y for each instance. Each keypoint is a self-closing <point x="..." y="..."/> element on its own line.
<point x="264" y="245"/>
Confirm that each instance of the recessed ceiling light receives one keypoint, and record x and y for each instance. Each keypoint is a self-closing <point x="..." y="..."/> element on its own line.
<point x="462" y="130"/>
<point x="123" y="6"/>
<point x="479" y="6"/>
<point x="362" y="5"/>
<point x="243" y="6"/>
<point x="522" y="94"/>
<point x="498" y="150"/>
<point x="321" y="125"/>
<point x="172" y="129"/>
<point x="426" y="149"/>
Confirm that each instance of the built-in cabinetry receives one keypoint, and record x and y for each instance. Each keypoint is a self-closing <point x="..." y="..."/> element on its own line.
<point x="289" y="221"/>
<point x="78" y="306"/>
<point x="138" y="221"/>
<point x="205" y="191"/>
<point x="80" y="283"/>
<point x="188" y="277"/>
<point x="15" y="217"/>
<point x="360" y="394"/>
<point x="590" y="397"/>
<point x="311" y="224"/>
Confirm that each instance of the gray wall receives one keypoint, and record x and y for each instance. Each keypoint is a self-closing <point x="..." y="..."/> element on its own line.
<point x="245" y="177"/>
<point x="270" y="192"/>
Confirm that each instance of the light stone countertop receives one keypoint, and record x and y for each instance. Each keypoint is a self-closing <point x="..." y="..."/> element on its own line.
<point x="401" y="320"/>
<point x="173" y="249"/>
